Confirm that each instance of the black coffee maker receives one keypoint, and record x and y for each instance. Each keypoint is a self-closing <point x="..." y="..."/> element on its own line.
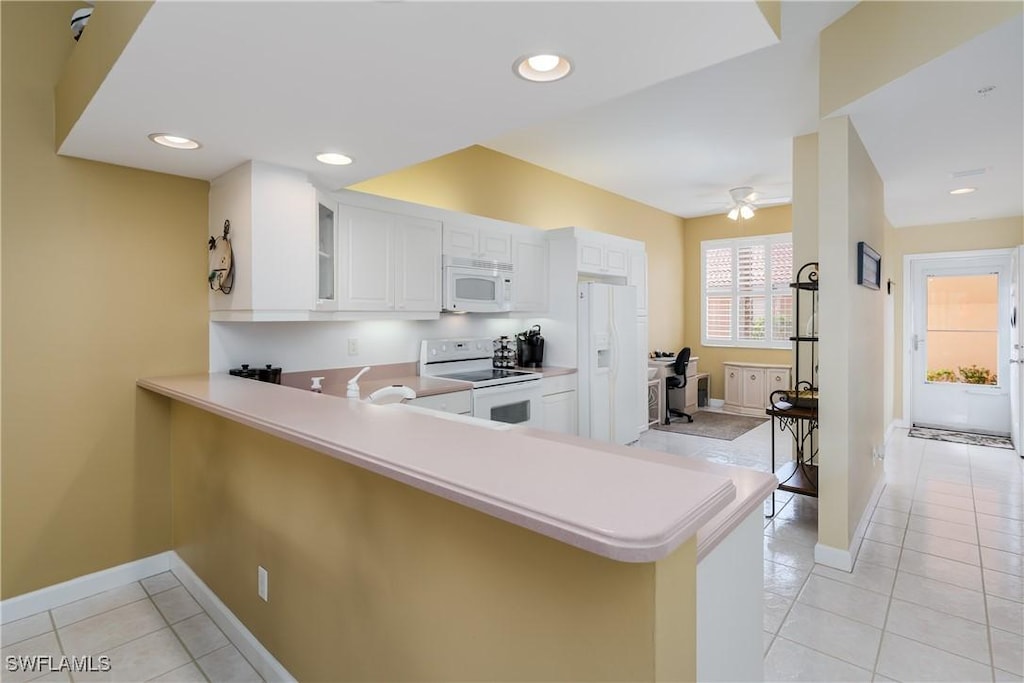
<point x="530" y="348"/>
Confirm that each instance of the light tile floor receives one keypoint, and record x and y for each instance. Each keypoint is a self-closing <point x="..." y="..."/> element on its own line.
<point x="152" y="630"/>
<point x="936" y="592"/>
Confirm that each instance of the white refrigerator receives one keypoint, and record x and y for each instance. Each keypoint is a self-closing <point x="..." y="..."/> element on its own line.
<point x="609" y="380"/>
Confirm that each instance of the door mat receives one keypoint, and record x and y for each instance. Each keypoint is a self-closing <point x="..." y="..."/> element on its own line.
<point x="961" y="437"/>
<point x="712" y="425"/>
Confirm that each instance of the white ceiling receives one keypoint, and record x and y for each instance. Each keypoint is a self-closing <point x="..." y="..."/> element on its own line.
<point x="931" y="123"/>
<point x="390" y="84"/>
<point x="681" y="144"/>
<point x="670" y="104"/>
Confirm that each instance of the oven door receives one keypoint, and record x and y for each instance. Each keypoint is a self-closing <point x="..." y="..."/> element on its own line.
<point x="476" y="291"/>
<point x="520" y="403"/>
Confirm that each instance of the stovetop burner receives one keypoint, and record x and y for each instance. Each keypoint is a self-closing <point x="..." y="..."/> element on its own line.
<point x="485" y="375"/>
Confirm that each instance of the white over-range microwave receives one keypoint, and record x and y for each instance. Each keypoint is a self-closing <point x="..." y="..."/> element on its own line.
<point x="475" y="286"/>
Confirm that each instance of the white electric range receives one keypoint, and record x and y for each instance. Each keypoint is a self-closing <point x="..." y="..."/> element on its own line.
<point x="511" y="396"/>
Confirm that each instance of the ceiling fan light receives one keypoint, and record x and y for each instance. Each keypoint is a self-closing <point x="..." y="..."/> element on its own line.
<point x="746" y="211"/>
<point x="734" y="214"/>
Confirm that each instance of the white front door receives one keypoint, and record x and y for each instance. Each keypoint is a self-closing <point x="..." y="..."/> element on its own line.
<point x="960" y="342"/>
<point x="1016" y="351"/>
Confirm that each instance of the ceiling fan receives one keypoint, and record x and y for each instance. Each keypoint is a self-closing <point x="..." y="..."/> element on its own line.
<point x="745" y="202"/>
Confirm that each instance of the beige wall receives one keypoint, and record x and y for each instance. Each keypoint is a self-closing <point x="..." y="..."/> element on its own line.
<point x="805" y="226"/>
<point x="767" y="221"/>
<point x="997" y="233"/>
<point x="481" y="181"/>
<point x="103" y="282"/>
<point x="371" y="579"/>
<point x="852" y="327"/>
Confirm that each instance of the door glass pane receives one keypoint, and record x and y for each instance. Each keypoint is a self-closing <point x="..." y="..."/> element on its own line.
<point x="963" y="329"/>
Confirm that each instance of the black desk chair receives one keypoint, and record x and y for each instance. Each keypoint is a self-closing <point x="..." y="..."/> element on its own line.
<point x="677" y="381"/>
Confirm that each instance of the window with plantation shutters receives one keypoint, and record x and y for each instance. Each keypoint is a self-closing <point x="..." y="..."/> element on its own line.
<point x="745" y="291"/>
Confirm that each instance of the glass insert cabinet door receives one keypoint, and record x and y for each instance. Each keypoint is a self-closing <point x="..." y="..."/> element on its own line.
<point x="326" y="261"/>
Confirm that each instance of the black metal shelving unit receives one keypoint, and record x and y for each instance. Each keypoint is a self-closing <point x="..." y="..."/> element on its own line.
<point x="801" y="419"/>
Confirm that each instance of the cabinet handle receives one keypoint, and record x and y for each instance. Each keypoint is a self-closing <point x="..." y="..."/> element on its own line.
<point x="732" y="374"/>
<point x="777" y="378"/>
<point x="753" y="377"/>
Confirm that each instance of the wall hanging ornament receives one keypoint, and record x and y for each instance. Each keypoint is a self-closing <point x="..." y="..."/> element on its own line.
<point x="222" y="262"/>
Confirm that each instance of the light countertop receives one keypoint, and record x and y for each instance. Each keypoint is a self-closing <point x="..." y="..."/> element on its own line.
<point x="565" y="487"/>
<point x="336" y="379"/>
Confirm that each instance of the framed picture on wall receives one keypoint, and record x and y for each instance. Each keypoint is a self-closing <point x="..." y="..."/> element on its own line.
<point x="869" y="266"/>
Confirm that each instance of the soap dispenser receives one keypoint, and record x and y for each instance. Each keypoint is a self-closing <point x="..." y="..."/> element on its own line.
<point x="353" y="384"/>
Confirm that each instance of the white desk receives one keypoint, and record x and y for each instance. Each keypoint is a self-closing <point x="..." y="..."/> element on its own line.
<point x="687" y="403"/>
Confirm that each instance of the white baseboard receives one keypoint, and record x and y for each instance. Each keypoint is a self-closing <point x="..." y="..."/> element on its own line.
<point x="26" y="605"/>
<point x="266" y="664"/>
<point x="844" y="559"/>
<point x="836" y="558"/>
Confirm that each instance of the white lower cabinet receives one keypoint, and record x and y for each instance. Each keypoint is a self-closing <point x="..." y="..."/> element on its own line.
<point x="748" y="386"/>
<point x="560" y="403"/>
<point x="752" y="393"/>
<point x="459" y="402"/>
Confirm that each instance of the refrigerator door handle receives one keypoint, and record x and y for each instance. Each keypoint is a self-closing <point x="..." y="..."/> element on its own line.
<point x="613" y="363"/>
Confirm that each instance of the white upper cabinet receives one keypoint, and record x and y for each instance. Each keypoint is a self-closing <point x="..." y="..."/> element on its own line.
<point x="638" y="278"/>
<point x="273" y="216"/>
<point x="327" y="254"/>
<point x="304" y="254"/>
<point x="477" y="242"/>
<point x="366" y="263"/>
<point x="530" y="284"/>
<point x="596" y="255"/>
<point x="388" y="262"/>
<point x="418" y="263"/>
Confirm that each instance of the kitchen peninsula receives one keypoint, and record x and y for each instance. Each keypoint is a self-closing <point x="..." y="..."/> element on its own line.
<point x="583" y="565"/>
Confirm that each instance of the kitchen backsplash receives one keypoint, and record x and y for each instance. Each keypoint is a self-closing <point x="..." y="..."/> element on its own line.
<point x="298" y="346"/>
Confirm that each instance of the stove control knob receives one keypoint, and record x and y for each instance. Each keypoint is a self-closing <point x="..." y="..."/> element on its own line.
<point x="433" y="352"/>
<point x="444" y="347"/>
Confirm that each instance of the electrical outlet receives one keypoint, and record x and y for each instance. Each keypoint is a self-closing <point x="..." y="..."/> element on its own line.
<point x="353" y="347"/>
<point x="262" y="578"/>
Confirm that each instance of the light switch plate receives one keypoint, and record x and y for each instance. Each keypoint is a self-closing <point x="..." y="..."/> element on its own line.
<point x="261" y="582"/>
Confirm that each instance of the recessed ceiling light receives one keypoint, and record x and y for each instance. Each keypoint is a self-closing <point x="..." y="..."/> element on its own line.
<point x="334" y="159"/>
<point x="174" y="141"/>
<point x="542" y="68"/>
<point x="963" y="190"/>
